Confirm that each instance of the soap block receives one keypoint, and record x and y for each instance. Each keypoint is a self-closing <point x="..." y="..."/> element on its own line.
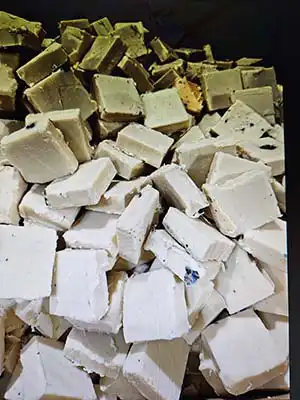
<point x="260" y="77"/>
<point x="101" y="27"/>
<point x="157" y="70"/>
<point x="242" y="284"/>
<point x="197" y="296"/>
<point x="117" y="98"/>
<point x="35" y="276"/>
<point x="255" y="210"/>
<point x="8" y="126"/>
<point x="41" y="66"/>
<point x="87" y="271"/>
<point x="135" y="223"/>
<point x="12" y="189"/>
<point x="194" y="70"/>
<point x="70" y="123"/>
<point x="76" y="42"/>
<point x="190" y="94"/>
<point x="193" y="135"/>
<point x="80" y="23"/>
<point x="109" y="130"/>
<point x="217" y="87"/>
<point x="104" y="55"/>
<point x="166" y="80"/>
<point x="60" y="91"/>
<point x="149" y="145"/>
<point x="179" y="190"/>
<point x="84" y="187"/>
<point x="127" y="166"/>
<point x="162" y="50"/>
<point x="259" y="99"/>
<point x="8" y="89"/>
<point x="132" y="35"/>
<point x="95" y="231"/>
<point x="238" y="332"/>
<point x="165" y="111"/>
<point x="242" y="122"/>
<point x="135" y="70"/>
<point x="189" y="232"/>
<point x="208" y="121"/>
<point x="146" y="317"/>
<point x="157" y="369"/>
<point x="44" y="359"/>
<point x="11" y="60"/>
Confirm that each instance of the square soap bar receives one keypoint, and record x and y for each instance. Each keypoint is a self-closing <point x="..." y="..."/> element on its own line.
<point x="117" y="98"/>
<point x="76" y="42"/>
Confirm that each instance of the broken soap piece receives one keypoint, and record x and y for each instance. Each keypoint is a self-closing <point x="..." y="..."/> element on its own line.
<point x="61" y="91"/>
<point x="156" y="320"/>
<point x="39" y="144"/>
<point x="149" y="145"/>
<point x="132" y="35"/>
<point x="41" y="66"/>
<point x="12" y="189"/>
<point x="8" y="88"/>
<point x="84" y="187"/>
<point x="165" y="111"/>
<point x="117" y="98"/>
<point x="135" y="70"/>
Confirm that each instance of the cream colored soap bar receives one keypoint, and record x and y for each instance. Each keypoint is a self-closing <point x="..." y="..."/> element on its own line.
<point x="12" y="189"/>
<point x="84" y="187"/>
<point x="60" y="91"/>
<point x="149" y="145"/>
<point x="165" y="111"/>
<point x="190" y="232"/>
<point x="135" y="223"/>
<point x="128" y="167"/>
<point x="260" y="77"/>
<point x="39" y="152"/>
<point x="241" y="283"/>
<point x="226" y="166"/>
<point x="117" y="98"/>
<point x="70" y="123"/>
<point x="196" y="158"/>
<point x="179" y="190"/>
<point x="267" y="150"/>
<point x="259" y="99"/>
<point x="242" y="337"/>
<point x="241" y="122"/>
<point x="218" y="85"/>
<point x="235" y="217"/>
<point x="41" y="66"/>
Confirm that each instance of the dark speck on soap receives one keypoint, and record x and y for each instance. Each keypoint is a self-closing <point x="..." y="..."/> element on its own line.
<point x="30" y="126"/>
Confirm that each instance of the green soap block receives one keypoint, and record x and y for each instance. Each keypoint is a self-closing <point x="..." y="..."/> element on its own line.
<point x="76" y="42"/>
<point x="167" y="80"/>
<point x="132" y="35"/>
<point x="135" y="70"/>
<point x="159" y="70"/>
<point x="81" y="23"/>
<point x="12" y="60"/>
<point x="101" y="27"/>
<point x="162" y="50"/>
<point x="8" y="89"/>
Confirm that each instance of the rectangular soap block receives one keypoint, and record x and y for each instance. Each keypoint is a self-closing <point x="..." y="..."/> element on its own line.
<point x="39" y="144"/>
<point x="158" y="70"/>
<point x="135" y="70"/>
<point x="76" y="43"/>
<point x="70" y="123"/>
<point x="162" y="50"/>
<point x="149" y="145"/>
<point x="101" y="27"/>
<point x="80" y="23"/>
<point x="127" y="166"/>
<point x="167" y="80"/>
<point x="109" y="130"/>
<point x="117" y="98"/>
<point x="193" y="135"/>
<point x="60" y="91"/>
<point x="41" y="66"/>
<point x="259" y="77"/>
<point x="190" y="94"/>
<point x="84" y="187"/>
<point x="132" y="35"/>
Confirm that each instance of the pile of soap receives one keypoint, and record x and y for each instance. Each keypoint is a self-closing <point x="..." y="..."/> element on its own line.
<point x="142" y="234"/>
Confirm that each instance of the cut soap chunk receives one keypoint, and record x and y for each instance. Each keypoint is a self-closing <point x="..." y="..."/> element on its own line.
<point x="84" y="187"/>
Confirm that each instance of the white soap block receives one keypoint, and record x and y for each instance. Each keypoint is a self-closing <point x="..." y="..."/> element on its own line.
<point x="12" y="188"/>
<point x="267" y="150"/>
<point x="176" y="259"/>
<point x="278" y="303"/>
<point x="179" y="190"/>
<point x="149" y="145"/>
<point x="95" y="231"/>
<point x="241" y="122"/>
<point x="54" y="376"/>
<point x="197" y="296"/>
<point x="242" y="337"/>
<point x="193" y="135"/>
<point x="207" y="122"/>
<point x="196" y="158"/>
<point x="146" y="316"/>
<point x="120" y="387"/>
<point x="84" y="187"/>
<point x="190" y="232"/>
<point x="226" y="166"/>
<point x="112" y="320"/>
<point x="95" y="352"/>
<point x="34" y="209"/>
<point x="213" y="306"/>
<point x="242" y="284"/>
<point x="33" y="268"/>
<point x="165" y="111"/>
<point x="118" y="197"/>
<point x="280" y="194"/>
<point x="2" y="343"/>
<point x="157" y="369"/>
<point x="268" y="243"/>
<point x="135" y="223"/>
<point x="242" y="203"/>
<point x="79" y="286"/>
